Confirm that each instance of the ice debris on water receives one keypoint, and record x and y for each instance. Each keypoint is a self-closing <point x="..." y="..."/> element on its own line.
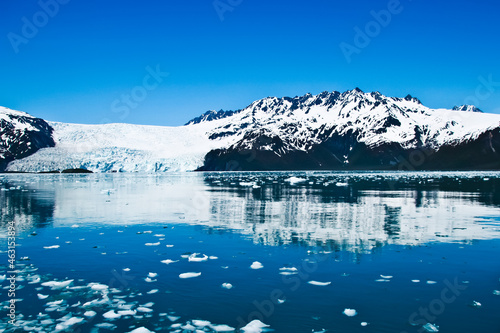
<point x="364" y="323"/>
<point x="55" y="285"/>
<point x="189" y="275"/>
<point x="227" y="285"/>
<point x="169" y="261"/>
<point x="350" y="312"/>
<point x="52" y="247"/>
<point x="152" y="244"/>
<point x="496" y="292"/>
<point x="295" y="180"/>
<point x="476" y="304"/>
<point x="197" y="257"/>
<point x="256" y="265"/>
<point x="255" y="326"/>
<point x="431" y="282"/>
<point x="152" y="275"/>
<point x="431" y="327"/>
<point x="318" y="283"/>
<point x="386" y="276"/>
<point x="141" y="330"/>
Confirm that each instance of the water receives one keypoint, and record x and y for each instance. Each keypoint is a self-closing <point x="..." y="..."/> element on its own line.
<point x="406" y="252"/>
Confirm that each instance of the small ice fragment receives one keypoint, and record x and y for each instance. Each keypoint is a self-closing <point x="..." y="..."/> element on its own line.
<point x="189" y="275"/>
<point x="496" y="292"/>
<point x="386" y="276"/>
<point x="256" y="265"/>
<point x="40" y="296"/>
<point x="213" y="257"/>
<point x="382" y="280"/>
<point x="159" y="235"/>
<point x="126" y="269"/>
<point x="281" y="301"/>
<point x="415" y="281"/>
<point x="222" y="328"/>
<point x="111" y="314"/>
<point x="90" y="313"/>
<point x="476" y="304"/>
<point x="295" y="180"/>
<point x="318" y="283"/>
<point x="173" y="318"/>
<point x="169" y="261"/>
<point x="341" y="184"/>
<point x="169" y="245"/>
<point x="152" y="275"/>
<point x="55" y="285"/>
<point x="52" y="247"/>
<point x="144" y="309"/>
<point x="350" y="312"/>
<point x="431" y="327"/>
<point x="364" y="323"/>
<point x="75" y="226"/>
<point x="289" y="269"/>
<point x="148" y="279"/>
<point x="255" y="326"/>
<point x="227" y="286"/>
<point x="141" y="330"/>
<point x="195" y="257"/>
<point x="288" y="273"/>
<point x="152" y="244"/>
<point x="98" y="286"/>
<point x="152" y="291"/>
<point x="200" y="323"/>
<point x="431" y="282"/>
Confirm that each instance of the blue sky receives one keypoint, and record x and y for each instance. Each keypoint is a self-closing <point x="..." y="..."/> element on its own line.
<point x="83" y="58"/>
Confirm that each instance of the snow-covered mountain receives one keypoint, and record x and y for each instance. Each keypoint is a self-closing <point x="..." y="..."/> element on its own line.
<point x="21" y="135"/>
<point x="331" y="130"/>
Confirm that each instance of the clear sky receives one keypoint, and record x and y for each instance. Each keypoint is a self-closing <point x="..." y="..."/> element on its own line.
<point x="88" y="61"/>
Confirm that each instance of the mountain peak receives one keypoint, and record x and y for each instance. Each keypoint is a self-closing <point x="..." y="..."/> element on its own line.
<point x="467" y="108"/>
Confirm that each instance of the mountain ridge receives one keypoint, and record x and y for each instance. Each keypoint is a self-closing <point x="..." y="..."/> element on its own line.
<point x="331" y="130"/>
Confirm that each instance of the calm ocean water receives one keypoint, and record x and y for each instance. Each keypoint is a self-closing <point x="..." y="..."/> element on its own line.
<point x="297" y="251"/>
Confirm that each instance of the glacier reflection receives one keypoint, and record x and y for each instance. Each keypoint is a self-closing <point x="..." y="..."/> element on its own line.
<point x="341" y="211"/>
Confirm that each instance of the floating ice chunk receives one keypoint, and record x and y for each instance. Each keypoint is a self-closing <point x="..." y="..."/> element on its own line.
<point x="318" y="283"/>
<point x="256" y="265"/>
<point x="126" y="269"/>
<point x="222" y="328"/>
<point x="382" y="280"/>
<point x="147" y="232"/>
<point x="189" y="275"/>
<point x="169" y="261"/>
<point x="213" y="258"/>
<point x="188" y="327"/>
<point x="431" y="327"/>
<point x="52" y="247"/>
<point x="144" y="309"/>
<point x="476" y="304"/>
<point x="152" y="275"/>
<point x="40" y="296"/>
<point x="153" y="291"/>
<point x="98" y="286"/>
<point x="295" y="180"/>
<point x="127" y="312"/>
<point x="350" y="312"/>
<point x="141" y="330"/>
<point x="67" y="323"/>
<point x="341" y="184"/>
<point x="195" y="257"/>
<point x="148" y="279"/>
<point x="255" y="326"/>
<point x="152" y="244"/>
<point x="281" y="301"/>
<point x="159" y="235"/>
<point x="415" y="281"/>
<point x="90" y="313"/>
<point x="386" y="276"/>
<point x="431" y="282"/>
<point x="169" y="245"/>
<point x="173" y="318"/>
<point x="75" y="226"/>
<point x="106" y="326"/>
<point x="58" y="302"/>
<point x="288" y="273"/>
<point x="289" y="269"/>
<point x="496" y="292"/>
<point x="111" y="314"/>
<point x="201" y="323"/>
<point x="55" y="285"/>
<point x="227" y="286"/>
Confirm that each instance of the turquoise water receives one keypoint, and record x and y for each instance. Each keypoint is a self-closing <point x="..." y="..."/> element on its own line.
<point x="336" y="252"/>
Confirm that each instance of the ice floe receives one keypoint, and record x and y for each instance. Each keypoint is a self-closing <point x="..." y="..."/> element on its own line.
<point x="431" y="327"/>
<point x="256" y="265"/>
<point x="152" y="244"/>
<point x="350" y="312"/>
<point x="52" y="247"/>
<point x="255" y="326"/>
<point x="169" y="261"/>
<point x="57" y="284"/>
<point x="141" y="330"/>
<point x="189" y="275"/>
<point x="318" y="283"/>
<point x="197" y="257"/>
<point x="227" y="285"/>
